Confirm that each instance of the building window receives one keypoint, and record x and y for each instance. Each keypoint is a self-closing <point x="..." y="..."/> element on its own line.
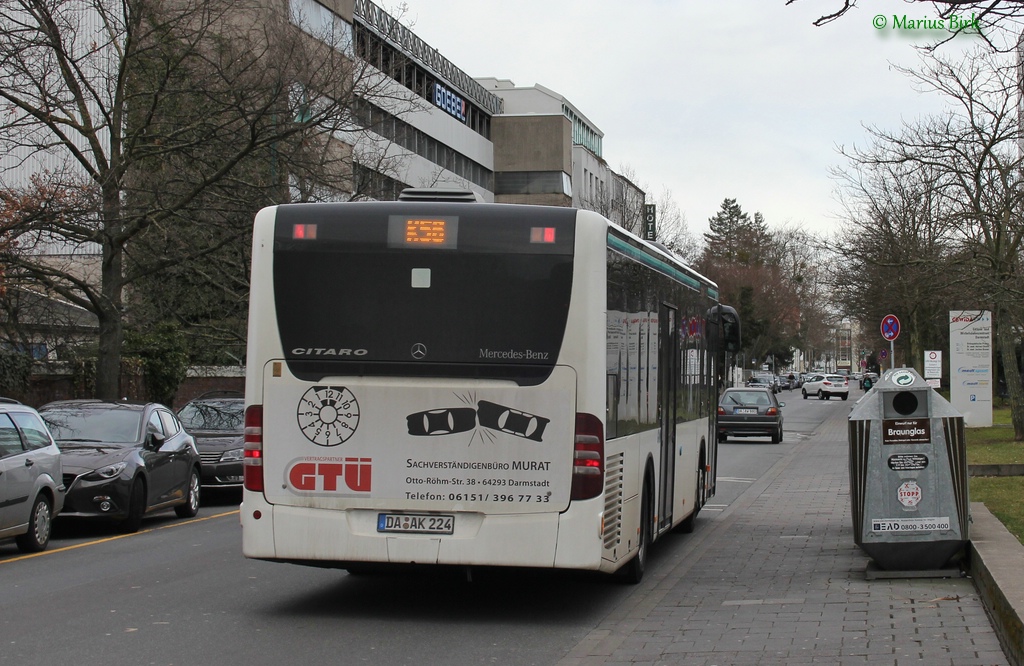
<point x="320" y="22"/>
<point x="532" y="182"/>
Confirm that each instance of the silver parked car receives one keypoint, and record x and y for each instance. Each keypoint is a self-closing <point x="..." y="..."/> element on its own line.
<point x="31" y="486"/>
<point x="749" y="412"/>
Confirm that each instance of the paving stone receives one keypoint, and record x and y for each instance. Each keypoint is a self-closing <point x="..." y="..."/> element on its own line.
<point x="781" y="581"/>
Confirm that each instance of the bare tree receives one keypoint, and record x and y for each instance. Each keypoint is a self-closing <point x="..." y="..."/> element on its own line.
<point x="161" y="113"/>
<point x="988" y="11"/>
<point x="970" y="159"/>
<point x="673" y="229"/>
<point x="998" y="22"/>
<point x="897" y="253"/>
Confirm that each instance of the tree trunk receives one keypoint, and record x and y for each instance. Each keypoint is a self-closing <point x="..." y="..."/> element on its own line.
<point x="108" y="360"/>
<point x="1007" y="343"/>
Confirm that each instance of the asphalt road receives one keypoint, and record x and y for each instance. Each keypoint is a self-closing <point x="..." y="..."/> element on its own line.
<point x="180" y="592"/>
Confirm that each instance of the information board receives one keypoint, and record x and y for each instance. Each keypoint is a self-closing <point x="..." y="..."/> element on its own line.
<point x="970" y="365"/>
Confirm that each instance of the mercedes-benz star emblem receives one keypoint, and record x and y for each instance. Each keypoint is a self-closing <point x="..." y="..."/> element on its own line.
<point x="419" y="350"/>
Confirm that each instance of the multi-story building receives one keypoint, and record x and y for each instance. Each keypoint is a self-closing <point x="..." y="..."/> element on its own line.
<point x="427" y="123"/>
<point x="546" y="151"/>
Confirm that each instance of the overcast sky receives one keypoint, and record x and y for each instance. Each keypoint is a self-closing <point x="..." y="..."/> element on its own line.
<point x="744" y="99"/>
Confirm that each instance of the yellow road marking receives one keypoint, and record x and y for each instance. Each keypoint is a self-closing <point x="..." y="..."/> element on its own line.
<point x="115" y="538"/>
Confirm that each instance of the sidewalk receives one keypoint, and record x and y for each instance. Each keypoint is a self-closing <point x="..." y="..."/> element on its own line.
<point x="778" y="579"/>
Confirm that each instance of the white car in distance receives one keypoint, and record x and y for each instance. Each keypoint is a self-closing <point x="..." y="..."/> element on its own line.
<point x="826" y="386"/>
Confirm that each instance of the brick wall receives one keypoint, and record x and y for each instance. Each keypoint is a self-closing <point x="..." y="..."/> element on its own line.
<point x="60" y="384"/>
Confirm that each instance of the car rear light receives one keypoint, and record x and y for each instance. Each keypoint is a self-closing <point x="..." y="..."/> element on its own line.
<point x="721" y="411"/>
<point x="772" y="411"/>
<point x="252" y="465"/>
<point x="587" y="458"/>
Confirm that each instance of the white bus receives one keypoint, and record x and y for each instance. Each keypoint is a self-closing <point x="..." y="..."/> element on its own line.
<point x="461" y="383"/>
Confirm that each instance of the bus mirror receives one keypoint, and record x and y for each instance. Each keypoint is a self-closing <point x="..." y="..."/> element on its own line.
<point x="730" y="321"/>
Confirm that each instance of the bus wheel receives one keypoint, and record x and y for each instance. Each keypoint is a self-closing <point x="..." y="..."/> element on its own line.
<point x="699" y="498"/>
<point x="633" y="571"/>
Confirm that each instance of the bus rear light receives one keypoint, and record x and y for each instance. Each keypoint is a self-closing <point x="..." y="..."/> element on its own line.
<point x="542" y="234"/>
<point x="588" y="458"/>
<point x="252" y="465"/>
<point x="304" y="232"/>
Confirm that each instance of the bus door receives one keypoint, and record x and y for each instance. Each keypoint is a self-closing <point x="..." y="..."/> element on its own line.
<point x="668" y="371"/>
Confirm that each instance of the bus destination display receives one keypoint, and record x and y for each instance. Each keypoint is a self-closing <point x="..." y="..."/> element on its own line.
<point x="424" y="232"/>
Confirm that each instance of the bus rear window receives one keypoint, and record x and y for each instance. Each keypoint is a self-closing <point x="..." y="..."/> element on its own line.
<point x="413" y="290"/>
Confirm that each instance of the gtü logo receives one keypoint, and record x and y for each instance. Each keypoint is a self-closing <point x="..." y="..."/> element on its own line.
<point x="354" y="473"/>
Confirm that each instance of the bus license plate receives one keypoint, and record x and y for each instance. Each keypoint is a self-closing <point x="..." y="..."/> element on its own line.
<point x="416" y="523"/>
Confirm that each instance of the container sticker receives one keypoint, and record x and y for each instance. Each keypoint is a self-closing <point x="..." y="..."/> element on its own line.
<point x="908" y="462"/>
<point x="902" y="378"/>
<point x="906" y="431"/>
<point x="937" y="524"/>
<point x="909" y="493"/>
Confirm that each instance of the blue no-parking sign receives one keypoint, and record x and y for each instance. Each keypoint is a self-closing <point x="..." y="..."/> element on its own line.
<point x="890" y="327"/>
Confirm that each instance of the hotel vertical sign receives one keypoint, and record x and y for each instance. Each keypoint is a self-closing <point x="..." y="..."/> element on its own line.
<point x="650" y="223"/>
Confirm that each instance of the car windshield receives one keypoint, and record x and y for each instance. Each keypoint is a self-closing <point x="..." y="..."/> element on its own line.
<point x="226" y="415"/>
<point x="84" y="424"/>
<point x="746" y="398"/>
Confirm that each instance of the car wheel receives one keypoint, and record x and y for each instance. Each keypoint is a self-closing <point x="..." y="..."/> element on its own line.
<point x="821" y="395"/>
<point x="804" y="392"/>
<point x="845" y="396"/>
<point x="136" y="508"/>
<point x="722" y="437"/>
<point x="191" y="506"/>
<point x="39" y="525"/>
<point x="777" y="436"/>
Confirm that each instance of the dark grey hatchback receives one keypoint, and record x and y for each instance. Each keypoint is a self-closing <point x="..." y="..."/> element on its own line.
<point x="124" y="460"/>
<point x="217" y="422"/>
<point x="749" y="412"/>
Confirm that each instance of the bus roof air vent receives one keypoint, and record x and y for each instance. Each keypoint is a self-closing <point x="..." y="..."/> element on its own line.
<point x="438" y="194"/>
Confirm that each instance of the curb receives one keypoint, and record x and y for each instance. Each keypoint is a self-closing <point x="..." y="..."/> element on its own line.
<point x="996" y="563"/>
<point x="995" y="470"/>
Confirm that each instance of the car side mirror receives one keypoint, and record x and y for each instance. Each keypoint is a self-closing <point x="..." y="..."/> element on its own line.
<point x="781" y="405"/>
<point x="155" y="440"/>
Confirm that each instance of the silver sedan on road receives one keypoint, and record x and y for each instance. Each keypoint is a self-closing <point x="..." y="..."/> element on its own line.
<point x="749" y="412"/>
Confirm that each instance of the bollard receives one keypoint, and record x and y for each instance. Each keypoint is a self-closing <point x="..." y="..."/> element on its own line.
<point x="908" y="475"/>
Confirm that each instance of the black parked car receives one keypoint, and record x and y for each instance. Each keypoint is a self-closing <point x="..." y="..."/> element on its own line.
<point x="217" y="422"/>
<point x="124" y="460"/>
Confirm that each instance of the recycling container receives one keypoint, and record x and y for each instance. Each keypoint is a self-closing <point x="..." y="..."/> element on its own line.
<point x="908" y="475"/>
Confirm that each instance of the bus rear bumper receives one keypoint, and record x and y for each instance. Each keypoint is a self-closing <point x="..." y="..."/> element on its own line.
<point x="336" y="537"/>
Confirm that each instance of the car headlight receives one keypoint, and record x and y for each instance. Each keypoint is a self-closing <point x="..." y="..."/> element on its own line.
<point x="110" y="471"/>
<point x="233" y="455"/>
